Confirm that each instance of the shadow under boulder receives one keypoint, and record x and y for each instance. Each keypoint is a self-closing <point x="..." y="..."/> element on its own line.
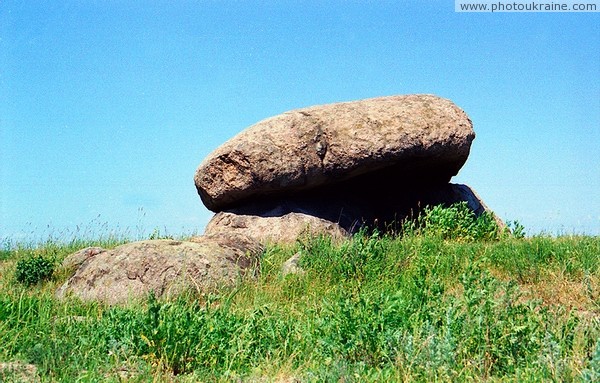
<point x="338" y="212"/>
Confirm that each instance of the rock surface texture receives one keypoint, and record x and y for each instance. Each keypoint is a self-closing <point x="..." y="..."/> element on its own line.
<point x="165" y="267"/>
<point x="399" y="141"/>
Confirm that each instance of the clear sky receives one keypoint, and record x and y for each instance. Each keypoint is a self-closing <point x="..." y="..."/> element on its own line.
<point x="108" y="107"/>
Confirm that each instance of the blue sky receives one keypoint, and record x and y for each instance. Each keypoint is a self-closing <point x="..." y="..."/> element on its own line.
<point x="108" y="107"/>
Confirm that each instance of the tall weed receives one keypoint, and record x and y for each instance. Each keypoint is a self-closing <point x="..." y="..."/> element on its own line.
<point x="456" y="222"/>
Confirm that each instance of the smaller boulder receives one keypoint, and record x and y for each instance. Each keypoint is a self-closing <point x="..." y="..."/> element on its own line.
<point x="292" y="266"/>
<point x="164" y="267"/>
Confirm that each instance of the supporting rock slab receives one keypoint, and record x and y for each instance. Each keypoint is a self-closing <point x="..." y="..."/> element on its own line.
<point x="338" y="214"/>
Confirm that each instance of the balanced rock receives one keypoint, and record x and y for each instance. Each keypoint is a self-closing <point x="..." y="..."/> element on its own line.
<point x="397" y="143"/>
<point x="162" y="267"/>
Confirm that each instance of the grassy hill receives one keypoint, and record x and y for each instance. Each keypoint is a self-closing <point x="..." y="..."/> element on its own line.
<point x="436" y="302"/>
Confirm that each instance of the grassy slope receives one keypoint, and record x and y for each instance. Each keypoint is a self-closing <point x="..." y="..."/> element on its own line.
<point x="416" y="308"/>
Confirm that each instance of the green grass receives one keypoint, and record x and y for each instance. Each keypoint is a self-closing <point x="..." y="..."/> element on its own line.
<point x="375" y="308"/>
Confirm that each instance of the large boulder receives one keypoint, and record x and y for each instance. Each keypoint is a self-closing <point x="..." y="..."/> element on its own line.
<point x="163" y="267"/>
<point x="378" y="146"/>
